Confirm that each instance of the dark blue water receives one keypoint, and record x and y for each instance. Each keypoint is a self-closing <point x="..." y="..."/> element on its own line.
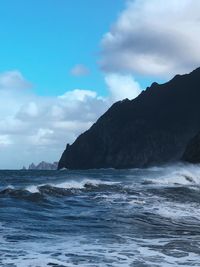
<point x="102" y="218"/>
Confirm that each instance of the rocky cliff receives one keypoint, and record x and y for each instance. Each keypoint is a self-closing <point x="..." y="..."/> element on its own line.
<point x="192" y="151"/>
<point x="153" y="128"/>
<point x="43" y="166"/>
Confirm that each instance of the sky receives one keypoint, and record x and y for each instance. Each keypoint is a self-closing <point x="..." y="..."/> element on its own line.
<point x="63" y="63"/>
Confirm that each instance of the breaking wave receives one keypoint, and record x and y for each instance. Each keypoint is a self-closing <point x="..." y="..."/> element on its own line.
<point x="176" y="175"/>
<point x="60" y="189"/>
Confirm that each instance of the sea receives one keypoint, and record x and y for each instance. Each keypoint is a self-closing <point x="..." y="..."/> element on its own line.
<point x="101" y="218"/>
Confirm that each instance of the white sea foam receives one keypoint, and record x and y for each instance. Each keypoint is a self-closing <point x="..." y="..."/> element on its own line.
<point x="76" y="184"/>
<point x="177" y="175"/>
<point x="81" y="184"/>
<point x="80" y="252"/>
<point x="71" y="184"/>
<point x="7" y="187"/>
<point x="33" y="189"/>
<point x="137" y="201"/>
<point x="10" y="187"/>
<point x="177" y="211"/>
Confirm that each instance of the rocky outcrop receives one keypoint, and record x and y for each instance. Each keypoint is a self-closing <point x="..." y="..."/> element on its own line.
<point x="43" y="166"/>
<point x="153" y="128"/>
<point x="192" y="151"/>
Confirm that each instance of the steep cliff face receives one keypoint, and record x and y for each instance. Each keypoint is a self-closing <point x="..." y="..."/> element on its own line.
<point x="153" y="128"/>
<point x="192" y="151"/>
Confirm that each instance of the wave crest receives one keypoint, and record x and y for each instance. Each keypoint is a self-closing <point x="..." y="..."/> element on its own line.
<point x="60" y="189"/>
<point x="177" y="175"/>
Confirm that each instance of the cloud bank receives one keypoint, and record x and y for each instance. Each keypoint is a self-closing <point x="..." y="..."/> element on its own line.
<point x="156" y="37"/>
<point x="35" y="128"/>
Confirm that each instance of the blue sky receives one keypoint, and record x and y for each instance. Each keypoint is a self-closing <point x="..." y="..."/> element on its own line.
<point x="45" y="39"/>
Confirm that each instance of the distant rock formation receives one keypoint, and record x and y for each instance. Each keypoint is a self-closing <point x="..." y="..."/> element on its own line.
<point x="153" y="128"/>
<point x="192" y="151"/>
<point x="43" y="166"/>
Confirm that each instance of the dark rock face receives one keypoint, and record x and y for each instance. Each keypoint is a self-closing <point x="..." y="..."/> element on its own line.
<point x="192" y="152"/>
<point x="154" y="128"/>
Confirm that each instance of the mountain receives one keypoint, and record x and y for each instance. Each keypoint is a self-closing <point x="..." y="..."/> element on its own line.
<point x="43" y="166"/>
<point x="192" y="151"/>
<point x="153" y="128"/>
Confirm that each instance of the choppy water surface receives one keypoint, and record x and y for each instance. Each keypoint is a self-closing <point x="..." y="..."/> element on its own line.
<point x="102" y="218"/>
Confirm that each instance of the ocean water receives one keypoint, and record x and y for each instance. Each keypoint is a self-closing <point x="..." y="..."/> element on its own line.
<point x="140" y="218"/>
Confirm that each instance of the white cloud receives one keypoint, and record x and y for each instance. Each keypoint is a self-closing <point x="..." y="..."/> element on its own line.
<point x="30" y="109"/>
<point x="5" y="140"/>
<point x="122" y="86"/>
<point x="35" y="128"/>
<point x="42" y="137"/>
<point x="80" y="70"/>
<point x="156" y="37"/>
<point x="78" y="95"/>
<point x="13" y="80"/>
